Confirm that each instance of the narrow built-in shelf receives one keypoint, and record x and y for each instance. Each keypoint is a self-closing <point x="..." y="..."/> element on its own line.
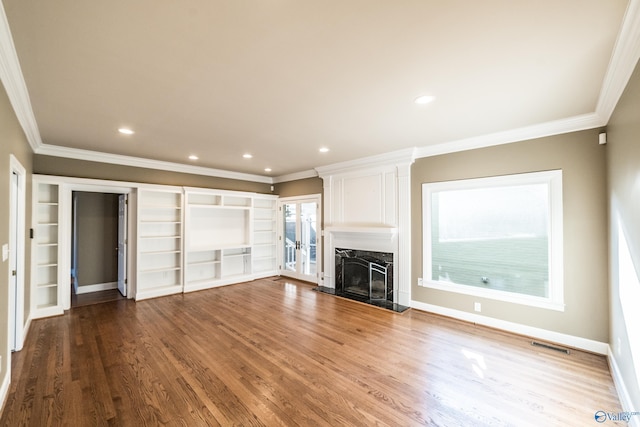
<point x="47" y="285"/>
<point x="196" y="263"/>
<point x="157" y="270"/>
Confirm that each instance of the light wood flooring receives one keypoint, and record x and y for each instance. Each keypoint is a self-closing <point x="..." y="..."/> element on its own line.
<point x="278" y="353"/>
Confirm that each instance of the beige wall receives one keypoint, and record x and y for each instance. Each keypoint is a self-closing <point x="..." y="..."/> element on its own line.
<point x="97" y="238"/>
<point x="59" y="166"/>
<point x="582" y="161"/>
<point x="299" y="187"/>
<point x="12" y="141"/>
<point x="623" y="165"/>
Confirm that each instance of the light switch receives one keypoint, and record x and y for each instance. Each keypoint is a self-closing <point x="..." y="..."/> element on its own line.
<point x="5" y="252"/>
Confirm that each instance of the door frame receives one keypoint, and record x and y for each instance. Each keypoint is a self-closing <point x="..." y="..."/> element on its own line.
<point x="17" y="229"/>
<point x="317" y="198"/>
<point x="68" y="186"/>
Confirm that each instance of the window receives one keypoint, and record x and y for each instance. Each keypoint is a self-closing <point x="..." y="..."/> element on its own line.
<point x="498" y="238"/>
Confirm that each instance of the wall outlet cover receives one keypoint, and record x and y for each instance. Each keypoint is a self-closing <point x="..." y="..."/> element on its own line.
<point x="5" y="252"/>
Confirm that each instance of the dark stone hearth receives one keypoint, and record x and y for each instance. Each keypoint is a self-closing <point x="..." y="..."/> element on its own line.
<point x="365" y="276"/>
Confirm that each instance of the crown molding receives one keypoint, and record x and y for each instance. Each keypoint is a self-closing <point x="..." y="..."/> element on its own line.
<point x="117" y="159"/>
<point x="624" y="58"/>
<point x="295" y="176"/>
<point x="11" y="76"/>
<point x="393" y="158"/>
<point x="557" y="127"/>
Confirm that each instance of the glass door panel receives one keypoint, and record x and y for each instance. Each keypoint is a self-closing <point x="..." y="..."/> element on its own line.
<point x="300" y="239"/>
<point x="290" y="236"/>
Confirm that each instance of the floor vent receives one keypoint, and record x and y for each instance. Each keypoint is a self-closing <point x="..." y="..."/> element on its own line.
<point x="549" y="347"/>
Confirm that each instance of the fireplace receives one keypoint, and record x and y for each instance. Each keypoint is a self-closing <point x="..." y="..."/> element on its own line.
<point x="364" y="275"/>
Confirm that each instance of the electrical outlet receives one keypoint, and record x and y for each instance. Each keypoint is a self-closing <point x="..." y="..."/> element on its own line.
<point x="420" y="281"/>
<point x="477" y="307"/>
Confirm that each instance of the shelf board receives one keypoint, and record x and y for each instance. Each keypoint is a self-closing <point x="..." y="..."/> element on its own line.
<point x="235" y="255"/>
<point x="159" y="237"/>
<point x="159" y="222"/>
<point x="46" y="285"/>
<point x="48" y="203"/>
<point x="160" y="207"/>
<point x="159" y="252"/>
<point x="46" y="244"/>
<point x="159" y="270"/>
<point x="47" y="265"/>
<point x="48" y="224"/>
<point x="197" y="263"/>
<point x="218" y="247"/>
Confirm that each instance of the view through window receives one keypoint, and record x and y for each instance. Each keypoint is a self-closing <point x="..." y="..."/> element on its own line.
<point x="495" y="236"/>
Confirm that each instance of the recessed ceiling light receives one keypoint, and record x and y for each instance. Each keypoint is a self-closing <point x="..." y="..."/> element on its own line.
<point x="267" y="169"/>
<point x="324" y="150"/>
<point x="126" y="131"/>
<point x="193" y="157"/>
<point x="424" y="99"/>
<point x="247" y="156"/>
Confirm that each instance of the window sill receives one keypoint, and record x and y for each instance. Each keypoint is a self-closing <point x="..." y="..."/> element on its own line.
<point x="493" y="294"/>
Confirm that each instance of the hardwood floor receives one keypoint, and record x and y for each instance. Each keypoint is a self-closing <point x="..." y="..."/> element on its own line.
<point x="277" y="353"/>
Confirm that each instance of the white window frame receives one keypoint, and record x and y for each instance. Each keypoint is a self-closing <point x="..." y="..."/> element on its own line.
<point x="553" y="179"/>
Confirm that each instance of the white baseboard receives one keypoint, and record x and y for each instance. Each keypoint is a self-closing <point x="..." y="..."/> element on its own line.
<point x="4" y="388"/>
<point x="85" y="289"/>
<point x="621" y="389"/>
<point x="530" y="331"/>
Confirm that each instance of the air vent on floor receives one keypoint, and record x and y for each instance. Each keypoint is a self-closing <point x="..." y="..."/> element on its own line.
<point x="549" y="347"/>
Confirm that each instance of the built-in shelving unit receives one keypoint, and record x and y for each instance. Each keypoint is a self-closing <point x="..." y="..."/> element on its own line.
<point x="219" y="237"/>
<point x="46" y="257"/>
<point x="159" y="243"/>
<point x="264" y="236"/>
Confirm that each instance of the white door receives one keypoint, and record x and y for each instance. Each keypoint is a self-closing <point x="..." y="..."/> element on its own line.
<point x="122" y="244"/>
<point x="13" y="261"/>
<point x="300" y="238"/>
<point x="16" y="253"/>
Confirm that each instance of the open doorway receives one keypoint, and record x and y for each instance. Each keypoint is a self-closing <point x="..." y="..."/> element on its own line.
<point x="98" y="247"/>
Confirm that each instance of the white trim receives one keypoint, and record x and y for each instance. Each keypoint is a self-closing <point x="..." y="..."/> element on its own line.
<point x="14" y="84"/>
<point x="626" y="53"/>
<point x="528" y="331"/>
<point x="4" y="389"/>
<point x="556" y="127"/>
<point x="623" y="394"/>
<point x="295" y="176"/>
<point x="140" y="162"/>
<point x="553" y="179"/>
<point x="394" y="158"/>
<point x="85" y="289"/>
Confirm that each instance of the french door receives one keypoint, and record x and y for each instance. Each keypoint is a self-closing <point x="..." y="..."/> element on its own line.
<point x="300" y="237"/>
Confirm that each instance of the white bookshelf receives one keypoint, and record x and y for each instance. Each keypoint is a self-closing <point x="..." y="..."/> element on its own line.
<point x="46" y="270"/>
<point x="219" y="237"/>
<point x="159" y="242"/>
<point x="264" y="247"/>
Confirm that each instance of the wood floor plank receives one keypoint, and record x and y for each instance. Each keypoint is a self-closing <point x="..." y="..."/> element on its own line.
<point x="276" y="353"/>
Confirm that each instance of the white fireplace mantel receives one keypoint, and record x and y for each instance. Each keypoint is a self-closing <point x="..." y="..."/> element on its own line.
<point x="367" y="206"/>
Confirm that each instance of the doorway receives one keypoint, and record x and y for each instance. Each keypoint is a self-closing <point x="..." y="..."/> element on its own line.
<point x="98" y="247"/>
<point x="299" y="237"/>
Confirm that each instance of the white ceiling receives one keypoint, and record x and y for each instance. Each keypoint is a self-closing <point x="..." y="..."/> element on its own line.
<point x="281" y="78"/>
